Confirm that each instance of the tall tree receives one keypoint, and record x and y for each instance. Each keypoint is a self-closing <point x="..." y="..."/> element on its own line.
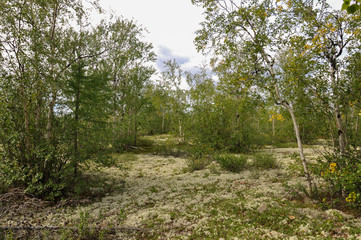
<point x="172" y="80"/>
<point x="252" y="32"/>
<point x="126" y="60"/>
<point x="328" y="35"/>
<point x="34" y="54"/>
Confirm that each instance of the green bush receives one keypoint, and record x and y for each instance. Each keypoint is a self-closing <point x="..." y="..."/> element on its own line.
<point x="127" y="157"/>
<point x="232" y="163"/>
<point x="145" y="142"/>
<point x="342" y="172"/>
<point x="264" y="161"/>
<point x="196" y="164"/>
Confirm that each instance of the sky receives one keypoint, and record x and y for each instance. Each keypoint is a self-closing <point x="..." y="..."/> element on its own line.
<point x="171" y="26"/>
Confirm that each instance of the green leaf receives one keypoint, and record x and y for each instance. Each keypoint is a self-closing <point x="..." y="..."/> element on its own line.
<point x="344" y="6"/>
<point x="358" y="1"/>
<point x="353" y="8"/>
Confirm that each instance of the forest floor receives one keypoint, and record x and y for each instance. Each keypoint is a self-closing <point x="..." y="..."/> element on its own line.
<point x="157" y="198"/>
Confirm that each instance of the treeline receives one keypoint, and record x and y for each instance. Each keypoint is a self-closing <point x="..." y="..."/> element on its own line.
<point x="69" y="91"/>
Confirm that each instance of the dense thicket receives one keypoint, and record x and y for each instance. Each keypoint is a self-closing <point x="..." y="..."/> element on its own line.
<point x="69" y="91"/>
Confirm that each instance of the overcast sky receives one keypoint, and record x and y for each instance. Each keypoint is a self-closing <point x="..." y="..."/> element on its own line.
<point x="171" y="25"/>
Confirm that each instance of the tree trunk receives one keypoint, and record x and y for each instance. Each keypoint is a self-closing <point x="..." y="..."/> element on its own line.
<point x="180" y="130"/>
<point x="298" y="138"/>
<point x="163" y="116"/>
<point x="49" y="126"/>
<point x="76" y="133"/>
<point x="295" y="125"/>
<point x="300" y="147"/>
<point x="135" y="129"/>
<point x="340" y="131"/>
<point x="27" y="127"/>
<point x="332" y="137"/>
<point x="356" y="127"/>
<point x="339" y="125"/>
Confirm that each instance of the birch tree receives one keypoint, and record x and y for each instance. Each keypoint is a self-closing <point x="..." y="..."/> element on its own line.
<point x="252" y="32"/>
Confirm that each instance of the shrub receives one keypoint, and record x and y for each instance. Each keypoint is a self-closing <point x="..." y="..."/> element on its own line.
<point x="127" y="157"/>
<point x="342" y="173"/>
<point x="145" y="142"/>
<point x="195" y="164"/>
<point x="264" y="161"/>
<point x="232" y="163"/>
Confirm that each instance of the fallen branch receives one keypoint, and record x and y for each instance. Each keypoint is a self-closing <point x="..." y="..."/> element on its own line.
<point x="134" y="147"/>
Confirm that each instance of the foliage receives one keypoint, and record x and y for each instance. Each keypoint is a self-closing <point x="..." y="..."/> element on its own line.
<point x="231" y="162"/>
<point x="61" y="100"/>
<point x="219" y="120"/>
<point x="342" y="174"/>
<point x="351" y="8"/>
<point x="264" y="161"/>
<point x="196" y="164"/>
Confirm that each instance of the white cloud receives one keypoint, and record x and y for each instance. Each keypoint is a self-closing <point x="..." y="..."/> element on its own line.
<point x="171" y="24"/>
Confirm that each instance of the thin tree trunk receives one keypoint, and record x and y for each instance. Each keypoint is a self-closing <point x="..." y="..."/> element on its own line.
<point x="49" y="126"/>
<point x="26" y="113"/>
<point x="38" y="113"/>
<point x="295" y="125"/>
<point x="300" y="147"/>
<point x="356" y="126"/>
<point x="339" y="125"/>
<point x="180" y="130"/>
<point x="332" y="137"/>
<point x="135" y="130"/>
<point x="340" y="131"/>
<point x="76" y="132"/>
<point x="23" y="99"/>
<point x="27" y="124"/>
<point x="163" y="115"/>
<point x="298" y="136"/>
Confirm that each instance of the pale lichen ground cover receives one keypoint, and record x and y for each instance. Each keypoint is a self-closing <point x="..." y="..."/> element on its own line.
<point x="161" y="200"/>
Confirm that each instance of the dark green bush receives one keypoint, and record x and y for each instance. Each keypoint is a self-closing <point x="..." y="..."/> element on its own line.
<point x="342" y="173"/>
<point x="264" y="161"/>
<point x="232" y="163"/>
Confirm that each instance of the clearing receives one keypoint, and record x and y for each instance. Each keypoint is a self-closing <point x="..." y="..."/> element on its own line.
<point x="157" y="198"/>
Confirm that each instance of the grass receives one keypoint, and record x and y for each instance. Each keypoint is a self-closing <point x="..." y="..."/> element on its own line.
<point x="264" y="161"/>
<point x="286" y="145"/>
<point x="126" y="157"/>
<point x="232" y="163"/>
